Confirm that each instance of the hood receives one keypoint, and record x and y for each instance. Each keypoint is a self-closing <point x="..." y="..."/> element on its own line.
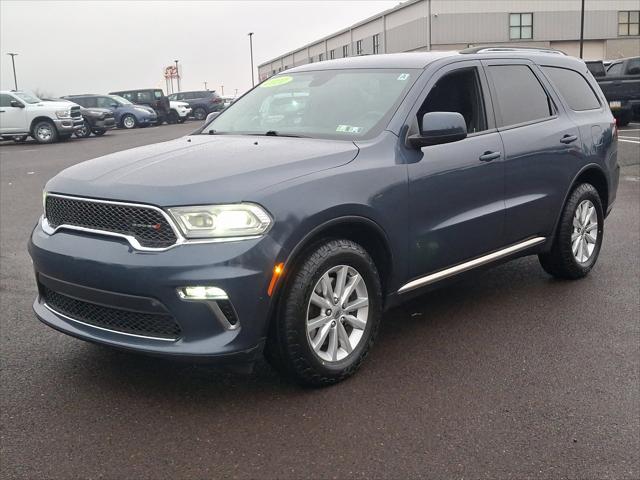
<point x="59" y="104"/>
<point x="95" y="110"/>
<point x="146" y="108"/>
<point x="201" y="169"/>
<point x="175" y="104"/>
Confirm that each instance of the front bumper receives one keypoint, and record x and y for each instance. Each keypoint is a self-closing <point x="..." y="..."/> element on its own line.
<point x="68" y="125"/>
<point x="107" y="271"/>
<point x="104" y="124"/>
<point x="183" y="112"/>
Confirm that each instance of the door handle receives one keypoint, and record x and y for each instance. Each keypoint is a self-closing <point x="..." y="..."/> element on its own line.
<point x="568" y="139"/>
<point x="489" y="156"/>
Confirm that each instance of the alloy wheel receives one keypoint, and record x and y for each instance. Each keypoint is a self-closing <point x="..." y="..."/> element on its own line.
<point x="337" y="313"/>
<point x="585" y="231"/>
<point x="44" y="132"/>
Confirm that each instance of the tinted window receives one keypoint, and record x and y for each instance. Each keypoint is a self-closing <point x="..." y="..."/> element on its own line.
<point x="460" y="92"/>
<point x="633" y="66"/>
<point x="105" y="102"/>
<point x="573" y="87"/>
<point x="5" y="100"/>
<point x="615" y="69"/>
<point x="520" y="96"/>
<point x="145" y="97"/>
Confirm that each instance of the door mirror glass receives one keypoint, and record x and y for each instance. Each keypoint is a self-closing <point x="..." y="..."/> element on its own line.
<point x="438" y="128"/>
<point x="114" y="105"/>
<point x="16" y="104"/>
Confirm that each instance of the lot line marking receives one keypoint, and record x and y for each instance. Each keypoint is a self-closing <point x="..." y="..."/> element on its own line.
<point x="629" y="130"/>
<point x="629" y="141"/>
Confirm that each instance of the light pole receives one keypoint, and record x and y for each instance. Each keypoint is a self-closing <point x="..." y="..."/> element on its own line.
<point x="581" y="28"/>
<point x="253" y="82"/>
<point x="205" y="84"/>
<point x="177" y="74"/>
<point x="13" y="62"/>
<point x="222" y="89"/>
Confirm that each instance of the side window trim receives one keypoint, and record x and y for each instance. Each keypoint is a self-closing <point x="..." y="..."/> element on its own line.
<point x="410" y="120"/>
<point x="595" y="94"/>
<point x="543" y="83"/>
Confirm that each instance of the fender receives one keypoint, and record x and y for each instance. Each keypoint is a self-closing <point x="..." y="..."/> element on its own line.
<point x="568" y="192"/>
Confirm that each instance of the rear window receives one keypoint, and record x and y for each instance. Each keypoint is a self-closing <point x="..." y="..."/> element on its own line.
<point x="520" y="96"/>
<point x="145" y="96"/>
<point x="615" y="69"/>
<point x="574" y="88"/>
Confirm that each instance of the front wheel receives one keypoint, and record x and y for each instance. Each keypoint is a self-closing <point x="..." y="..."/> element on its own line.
<point x="129" y="121"/>
<point x="99" y="133"/>
<point x="45" y="132"/>
<point x="328" y="315"/>
<point x="173" y="117"/>
<point x="579" y="235"/>
<point x="200" y="113"/>
<point x="84" y="131"/>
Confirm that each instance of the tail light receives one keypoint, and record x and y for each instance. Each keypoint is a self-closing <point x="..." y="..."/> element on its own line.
<point x="216" y="100"/>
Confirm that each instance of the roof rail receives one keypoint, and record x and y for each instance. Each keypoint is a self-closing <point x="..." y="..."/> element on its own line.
<point x="506" y="48"/>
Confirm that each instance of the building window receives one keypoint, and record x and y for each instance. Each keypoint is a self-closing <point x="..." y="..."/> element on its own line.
<point x="320" y="57"/>
<point x="520" y="26"/>
<point x="345" y="50"/>
<point x="359" y="47"/>
<point x="376" y="43"/>
<point x="332" y="54"/>
<point x="628" y="22"/>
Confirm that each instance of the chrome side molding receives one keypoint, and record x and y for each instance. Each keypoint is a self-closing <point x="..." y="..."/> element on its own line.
<point x="471" y="264"/>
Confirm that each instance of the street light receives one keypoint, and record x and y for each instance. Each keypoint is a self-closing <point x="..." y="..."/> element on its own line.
<point x="205" y="84"/>
<point x="253" y="82"/>
<point x="177" y="74"/>
<point x="13" y="62"/>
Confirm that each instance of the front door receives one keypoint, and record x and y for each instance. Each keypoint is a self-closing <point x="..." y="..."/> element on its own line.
<point x="456" y="190"/>
<point x="12" y="119"/>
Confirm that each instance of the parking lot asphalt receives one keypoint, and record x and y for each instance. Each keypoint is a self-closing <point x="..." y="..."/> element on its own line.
<point x="506" y="374"/>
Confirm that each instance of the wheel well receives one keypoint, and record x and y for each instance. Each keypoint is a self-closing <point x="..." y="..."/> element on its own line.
<point x="363" y="232"/>
<point x="595" y="177"/>
<point x="39" y="119"/>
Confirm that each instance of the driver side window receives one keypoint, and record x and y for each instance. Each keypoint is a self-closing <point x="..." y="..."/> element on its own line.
<point x="458" y="91"/>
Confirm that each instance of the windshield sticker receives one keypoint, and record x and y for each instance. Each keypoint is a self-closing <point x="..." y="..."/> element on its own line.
<point x="403" y="76"/>
<point x="275" y="82"/>
<point x="348" y="129"/>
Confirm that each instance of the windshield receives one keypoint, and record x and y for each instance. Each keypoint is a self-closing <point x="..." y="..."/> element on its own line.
<point x="337" y="104"/>
<point x="27" y="97"/>
<point x="121" y="100"/>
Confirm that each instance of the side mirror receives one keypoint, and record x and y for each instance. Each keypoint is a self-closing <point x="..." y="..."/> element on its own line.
<point x="16" y="104"/>
<point x="211" y="116"/>
<point x="114" y="105"/>
<point x="438" y="128"/>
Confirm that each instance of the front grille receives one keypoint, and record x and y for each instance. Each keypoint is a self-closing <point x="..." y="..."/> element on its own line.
<point x="75" y="112"/>
<point x="147" y="225"/>
<point x="124" y="321"/>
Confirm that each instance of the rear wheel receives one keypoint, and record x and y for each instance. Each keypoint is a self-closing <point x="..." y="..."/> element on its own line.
<point x="578" y="239"/>
<point x="200" y="113"/>
<point x="328" y="315"/>
<point x="173" y="117"/>
<point x="45" y="131"/>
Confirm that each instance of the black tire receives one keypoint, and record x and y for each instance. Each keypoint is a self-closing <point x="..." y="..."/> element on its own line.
<point x="173" y="117"/>
<point x="200" y="113"/>
<point x="85" y="131"/>
<point x="560" y="260"/>
<point x="288" y="348"/>
<point x="39" y="129"/>
<point x="99" y="133"/>
<point x="182" y="119"/>
<point x="128" y="121"/>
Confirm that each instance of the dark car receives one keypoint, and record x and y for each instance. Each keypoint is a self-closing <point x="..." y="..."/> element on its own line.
<point x="324" y="196"/>
<point x="621" y="87"/>
<point x="202" y="102"/>
<point x="96" y="121"/>
<point x="127" y="115"/>
<point x="151" y="97"/>
<point x="596" y="67"/>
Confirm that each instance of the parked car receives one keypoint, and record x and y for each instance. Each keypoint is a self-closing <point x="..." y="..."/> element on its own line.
<point x="127" y="115"/>
<point x="180" y="111"/>
<point x="291" y="225"/>
<point x="96" y="120"/>
<point x="22" y="114"/>
<point x="151" y="97"/>
<point x="227" y="100"/>
<point x="621" y="86"/>
<point x="202" y="102"/>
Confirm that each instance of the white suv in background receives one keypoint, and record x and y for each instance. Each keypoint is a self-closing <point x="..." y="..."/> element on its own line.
<point x="179" y="111"/>
<point x="23" y="114"/>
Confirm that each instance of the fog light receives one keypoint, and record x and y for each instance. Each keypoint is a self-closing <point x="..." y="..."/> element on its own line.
<point x="202" y="293"/>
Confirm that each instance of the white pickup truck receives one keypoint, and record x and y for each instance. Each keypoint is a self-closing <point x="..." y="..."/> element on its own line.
<point x="23" y="114"/>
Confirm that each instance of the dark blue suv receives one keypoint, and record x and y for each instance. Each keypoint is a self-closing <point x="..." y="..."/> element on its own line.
<point x="324" y="196"/>
<point x="127" y="115"/>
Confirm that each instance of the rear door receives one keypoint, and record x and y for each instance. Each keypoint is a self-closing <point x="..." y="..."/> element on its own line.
<point x="541" y="147"/>
<point x="12" y="119"/>
<point x="456" y="190"/>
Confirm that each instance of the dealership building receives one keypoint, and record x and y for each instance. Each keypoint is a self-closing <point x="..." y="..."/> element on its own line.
<point x="611" y="30"/>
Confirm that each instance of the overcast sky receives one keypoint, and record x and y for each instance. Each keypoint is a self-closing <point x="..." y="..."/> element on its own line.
<point x="96" y="47"/>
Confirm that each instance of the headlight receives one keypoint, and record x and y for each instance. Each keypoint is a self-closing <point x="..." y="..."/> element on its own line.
<point x="96" y="112"/>
<point x="140" y="109"/>
<point x="63" y="114"/>
<point x="221" y="221"/>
